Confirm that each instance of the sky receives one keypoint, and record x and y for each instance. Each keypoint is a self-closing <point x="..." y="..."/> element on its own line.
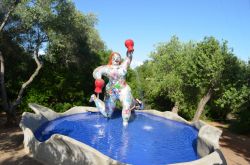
<point x="149" y="22"/>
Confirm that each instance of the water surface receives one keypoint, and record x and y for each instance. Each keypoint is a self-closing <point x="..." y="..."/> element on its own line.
<point x="147" y="140"/>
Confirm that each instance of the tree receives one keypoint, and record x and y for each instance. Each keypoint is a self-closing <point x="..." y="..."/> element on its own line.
<point x="167" y="59"/>
<point x="167" y="78"/>
<point x="73" y="51"/>
<point x="206" y="70"/>
<point x="186" y="74"/>
<point x="12" y="5"/>
<point x="235" y="95"/>
<point x="58" y="29"/>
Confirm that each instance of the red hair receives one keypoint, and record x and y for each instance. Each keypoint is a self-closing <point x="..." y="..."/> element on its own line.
<point x="111" y="56"/>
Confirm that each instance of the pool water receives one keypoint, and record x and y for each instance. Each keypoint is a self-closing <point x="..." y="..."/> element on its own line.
<point x="147" y="140"/>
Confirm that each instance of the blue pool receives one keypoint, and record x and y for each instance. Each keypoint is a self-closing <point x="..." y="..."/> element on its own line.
<point x="147" y="140"/>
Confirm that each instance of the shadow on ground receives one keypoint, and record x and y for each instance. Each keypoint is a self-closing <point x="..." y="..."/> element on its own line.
<point x="237" y="143"/>
<point x="24" y="160"/>
<point x="10" y="139"/>
<point x="235" y="147"/>
<point x="11" y="146"/>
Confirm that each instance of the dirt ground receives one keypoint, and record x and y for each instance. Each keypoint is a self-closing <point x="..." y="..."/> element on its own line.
<point x="236" y="148"/>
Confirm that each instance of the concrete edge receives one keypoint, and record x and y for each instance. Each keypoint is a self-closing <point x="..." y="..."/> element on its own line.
<point x="214" y="158"/>
<point x="206" y="149"/>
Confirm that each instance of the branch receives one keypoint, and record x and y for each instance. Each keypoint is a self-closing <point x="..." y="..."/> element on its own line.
<point x="13" y="6"/>
<point x="25" y="85"/>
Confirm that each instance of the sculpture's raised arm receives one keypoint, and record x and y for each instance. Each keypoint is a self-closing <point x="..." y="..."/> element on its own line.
<point x="126" y="63"/>
<point x="130" y="49"/>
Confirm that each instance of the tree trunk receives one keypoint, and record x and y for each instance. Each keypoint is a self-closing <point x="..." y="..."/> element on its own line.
<point x="25" y="85"/>
<point x="10" y="108"/>
<point x="4" y="97"/>
<point x="202" y="104"/>
<point x="175" y="109"/>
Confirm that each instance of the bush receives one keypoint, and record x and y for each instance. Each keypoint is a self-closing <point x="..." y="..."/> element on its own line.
<point x="242" y="125"/>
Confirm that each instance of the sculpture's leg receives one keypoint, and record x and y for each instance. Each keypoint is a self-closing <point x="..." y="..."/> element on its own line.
<point x="126" y="99"/>
<point x="99" y="105"/>
<point x="110" y="105"/>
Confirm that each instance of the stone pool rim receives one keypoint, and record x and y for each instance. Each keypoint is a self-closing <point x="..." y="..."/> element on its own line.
<point x="60" y="149"/>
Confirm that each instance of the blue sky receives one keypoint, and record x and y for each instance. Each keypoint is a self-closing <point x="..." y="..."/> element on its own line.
<point x="149" y="22"/>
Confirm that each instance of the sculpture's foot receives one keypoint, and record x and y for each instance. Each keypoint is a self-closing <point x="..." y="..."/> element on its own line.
<point x="92" y="98"/>
<point x="125" y="123"/>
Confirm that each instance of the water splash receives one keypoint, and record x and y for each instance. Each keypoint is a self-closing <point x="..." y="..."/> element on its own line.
<point x="97" y="125"/>
<point x="138" y="81"/>
<point x="147" y="127"/>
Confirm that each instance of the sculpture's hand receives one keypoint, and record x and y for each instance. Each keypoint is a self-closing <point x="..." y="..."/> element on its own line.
<point x="99" y="84"/>
<point x="129" y="45"/>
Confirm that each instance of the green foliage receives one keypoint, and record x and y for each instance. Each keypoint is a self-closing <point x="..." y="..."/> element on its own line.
<point x="233" y="99"/>
<point x="182" y="73"/>
<point x="134" y="81"/>
<point x="164" y="77"/>
<point x="72" y="49"/>
<point x="206" y="64"/>
<point x="35" y="96"/>
<point x="242" y="124"/>
<point x="18" y="64"/>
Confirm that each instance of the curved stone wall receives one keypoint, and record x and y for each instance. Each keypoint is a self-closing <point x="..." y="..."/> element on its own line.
<point x="60" y="149"/>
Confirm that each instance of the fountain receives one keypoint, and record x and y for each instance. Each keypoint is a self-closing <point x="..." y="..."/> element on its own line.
<point x="55" y="138"/>
<point x="105" y="135"/>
